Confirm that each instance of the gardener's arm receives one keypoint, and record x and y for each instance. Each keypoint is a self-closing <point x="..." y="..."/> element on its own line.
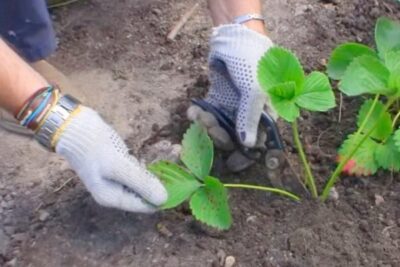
<point x="225" y="11"/>
<point x="17" y="80"/>
<point x="93" y="149"/>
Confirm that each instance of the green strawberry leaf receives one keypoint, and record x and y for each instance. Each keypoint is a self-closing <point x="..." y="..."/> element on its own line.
<point x="392" y="62"/>
<point x="387" y="35"/>
<point x="384" y="128"/>
<point x="387" y="155"/>
<point x="277" y="66"/>
<point x="396" y="137"/>
<point x="197" y="151"/>
<point x="363" y="161"/>
<point x="282" y="98"/>
<point x="210" y="205"/>
<point x="179" y="183"/>
<point x="394" y="80"/>
<point x="343" y="55"/>
<point x="316" y="94"/>
<point x="365" y="74"/>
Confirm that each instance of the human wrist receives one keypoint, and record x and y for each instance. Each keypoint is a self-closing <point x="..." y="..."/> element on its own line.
<point x="18" y="81"/>
<point x="256" y="25"/>
<point x="227" y="11"/>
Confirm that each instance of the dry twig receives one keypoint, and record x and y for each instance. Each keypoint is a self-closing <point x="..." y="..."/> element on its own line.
<point x="178" y="26"/>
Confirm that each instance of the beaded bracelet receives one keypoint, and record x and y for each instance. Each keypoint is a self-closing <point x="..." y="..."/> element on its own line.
<point x="36" y="108"/>
<point x="29" y="102"/>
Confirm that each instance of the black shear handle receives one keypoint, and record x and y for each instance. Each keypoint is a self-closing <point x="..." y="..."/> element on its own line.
<point x="274" y="140"/>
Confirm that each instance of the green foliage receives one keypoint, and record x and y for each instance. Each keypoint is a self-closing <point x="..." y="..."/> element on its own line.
<point x="392" y="61"/>
<point x="343" y="55"/>
<point x="180" y="184"/>
<point x="210" y="204"/>
<point x="365" y="74"/>
<point x="387" y="35"/>
<point x="316" y="94"/>
<point x="379" y="119"/>
<point x="282" y="77"/>
<point x="364" y="160"/>
<point x="279" y="66"/>
<point x="379" y="149"/>
<point x="197" y="151"/>
<point x="283" y="99"/>
<point x="396" y="138"/>
<point x="208" y="196"/>
<point x="387" y="155"/>
<point x="359" y="68"/>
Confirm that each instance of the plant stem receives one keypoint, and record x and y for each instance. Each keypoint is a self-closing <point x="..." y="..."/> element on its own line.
<point x="265" y="188"/>
<point x="366" y="119"/>
<point x="335" y="175"/>
<point x="310" y="181"/>
<point x="396" y="118"/>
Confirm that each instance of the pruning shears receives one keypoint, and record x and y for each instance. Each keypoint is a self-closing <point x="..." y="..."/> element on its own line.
<point x="274" y="156"/>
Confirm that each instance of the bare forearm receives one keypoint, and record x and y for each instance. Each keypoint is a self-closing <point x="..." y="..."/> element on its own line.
<point x="224" y="11"/>
<point x="18" y="81"/>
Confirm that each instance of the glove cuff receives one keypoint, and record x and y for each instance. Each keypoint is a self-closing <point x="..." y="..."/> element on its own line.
<point x="78" y="138"/>
<point x="236" y="36"/>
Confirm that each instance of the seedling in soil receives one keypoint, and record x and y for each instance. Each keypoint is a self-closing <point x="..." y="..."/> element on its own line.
<point x="375" y="144"/>
<point x="282" y="78"/>
<point x="360" y="70"/>
<point x="207" y="195"/>
<point x="363" y="70"/>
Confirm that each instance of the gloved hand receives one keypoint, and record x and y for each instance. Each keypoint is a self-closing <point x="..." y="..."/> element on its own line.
<point x="233" y="61"/>
<point x="100" y="158"/>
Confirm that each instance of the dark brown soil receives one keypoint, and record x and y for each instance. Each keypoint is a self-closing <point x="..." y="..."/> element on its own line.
<point x="357" y="230"/>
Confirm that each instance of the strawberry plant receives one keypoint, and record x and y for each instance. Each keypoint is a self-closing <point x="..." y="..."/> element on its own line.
<point x="375" y="144"/>
<point x="283" y="79"/>
<point x="362" y="70"/>
<point x="207" y="195"/>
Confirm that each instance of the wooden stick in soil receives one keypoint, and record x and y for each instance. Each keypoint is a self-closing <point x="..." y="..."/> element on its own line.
<point x="178" y="26"/>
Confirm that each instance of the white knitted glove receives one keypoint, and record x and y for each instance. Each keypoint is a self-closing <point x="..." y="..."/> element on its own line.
<point x="233" y="61"/>
<point x="100" y="158"/>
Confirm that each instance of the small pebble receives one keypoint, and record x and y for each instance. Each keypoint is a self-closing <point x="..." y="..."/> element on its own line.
<point x="238" y="162"/>
<point x="333" y="194"/>
<point x="221" y="255"/>
<point x="379" y="199"/>
<point x="163" y="230"/>
<point x="230" y="261"/>
<point x="251" y="219"/>
<point x="43" y="215"/>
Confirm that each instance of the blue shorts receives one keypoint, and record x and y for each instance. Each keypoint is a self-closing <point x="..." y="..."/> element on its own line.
<point x="26" y="25"/>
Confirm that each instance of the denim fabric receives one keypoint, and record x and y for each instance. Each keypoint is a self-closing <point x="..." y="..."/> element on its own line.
<point x="26" y="25"/>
